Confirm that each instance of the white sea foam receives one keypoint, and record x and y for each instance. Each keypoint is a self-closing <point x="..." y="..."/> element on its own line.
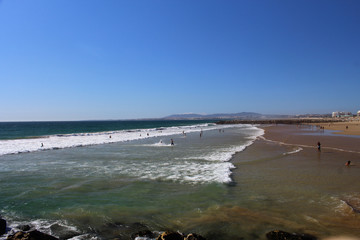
<point x="45" y="226"/>
<point x="296" y="150"/>
<point x="86" y="139"/>
<point x="204" y="163"/>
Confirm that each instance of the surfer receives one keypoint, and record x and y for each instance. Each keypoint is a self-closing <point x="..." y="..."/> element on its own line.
<point x="172" y="142"/>
<point x="42" y="145"/>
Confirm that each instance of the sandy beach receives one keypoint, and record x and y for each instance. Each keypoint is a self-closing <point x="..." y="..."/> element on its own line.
<point x="303" y="189"/>
<point x="351" y="127"/>
<point x="308" y="136"/>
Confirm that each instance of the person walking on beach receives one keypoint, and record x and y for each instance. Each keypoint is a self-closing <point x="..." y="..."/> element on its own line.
<point x="319" y="146"/>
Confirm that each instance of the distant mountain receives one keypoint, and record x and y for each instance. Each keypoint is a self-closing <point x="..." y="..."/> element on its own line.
<point x="242" y="115"/>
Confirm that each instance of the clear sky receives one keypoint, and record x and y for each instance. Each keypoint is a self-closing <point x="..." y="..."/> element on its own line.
<point x="117" y="59"/>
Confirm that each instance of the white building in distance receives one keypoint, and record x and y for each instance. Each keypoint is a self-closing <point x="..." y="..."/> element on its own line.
<point x="342" y="114"/>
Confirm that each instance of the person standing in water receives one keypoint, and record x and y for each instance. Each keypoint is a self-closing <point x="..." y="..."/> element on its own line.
<point x="172" y="142"/>
<point x="319" y="146"/>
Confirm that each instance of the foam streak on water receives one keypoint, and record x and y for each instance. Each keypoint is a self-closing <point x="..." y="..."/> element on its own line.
<point x="86" y="139"/>
<point x="140" y="154"/>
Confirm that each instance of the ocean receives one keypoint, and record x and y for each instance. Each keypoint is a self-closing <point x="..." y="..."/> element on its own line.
<point x="104" y="179"/>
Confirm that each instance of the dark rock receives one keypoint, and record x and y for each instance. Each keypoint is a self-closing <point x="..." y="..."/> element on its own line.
<point x="120" y="230"/>
<point x="170" y="236"/>
<point x="143" y="233"/>
<point x="2" y="226"/>
<point x="24" y="227"/>
<point x="194" y="236"/>
<point x="33" y="235"/>
<point x="62" y="231"/>
<point x="281" y="235"/>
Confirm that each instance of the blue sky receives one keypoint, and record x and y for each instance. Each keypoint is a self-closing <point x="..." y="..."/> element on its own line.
<point x="114" y="59"/>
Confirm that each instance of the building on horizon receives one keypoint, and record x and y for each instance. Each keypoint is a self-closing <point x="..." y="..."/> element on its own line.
<point x="342" y="114"/>
<point x="358" y="113"/>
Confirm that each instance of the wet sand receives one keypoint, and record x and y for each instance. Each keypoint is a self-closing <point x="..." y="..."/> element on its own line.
<point x="308" y="136"/>
<point x="347" y="128"/>
<point x="284" y="182"/>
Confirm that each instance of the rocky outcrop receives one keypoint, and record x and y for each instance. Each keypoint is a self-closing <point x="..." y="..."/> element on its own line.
<point x="281" y="235"/>
<point x="24" y="227"/>
<point x="170" y="236"/>
<point x="144" y="234"/>
<point x="178" y="236"/>
<point x="194" y="236"/>
<point x="32" y="235"/>
<point x="2" y="226"/>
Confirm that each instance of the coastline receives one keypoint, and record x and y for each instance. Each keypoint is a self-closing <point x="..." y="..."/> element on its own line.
<point x="308" y="136"/>
<point x="345" y="128"/>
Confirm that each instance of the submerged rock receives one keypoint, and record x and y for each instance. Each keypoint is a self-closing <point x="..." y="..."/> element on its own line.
<point x="143" y="234"/>
<point x="24" y="227"/>
<point x="2" y="226"/>
<point x="33" y="235"/>
<point x="63" y="232"/>
<point x="281" y="235"/>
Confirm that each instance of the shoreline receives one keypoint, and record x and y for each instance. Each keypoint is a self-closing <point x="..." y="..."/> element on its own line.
<point x="344" y="128"/>
<point x="348" y="126"/>
<point x="311" y="190"/>
<point x="307" y="136"/>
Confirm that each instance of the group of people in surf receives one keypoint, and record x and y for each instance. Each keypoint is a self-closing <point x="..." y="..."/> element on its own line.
<point x="348" y="163"/>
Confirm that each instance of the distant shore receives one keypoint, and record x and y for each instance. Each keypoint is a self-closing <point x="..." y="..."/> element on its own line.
<point x="282" y="121"/>
<point x="346" y="126"/>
